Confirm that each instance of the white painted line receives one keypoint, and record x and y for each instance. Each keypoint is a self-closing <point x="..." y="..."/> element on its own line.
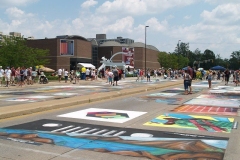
<point x="62" y="129"/>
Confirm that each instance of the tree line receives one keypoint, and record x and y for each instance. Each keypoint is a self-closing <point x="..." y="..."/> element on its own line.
<point x="14" y="52"/>
<point x="182" y="57"/>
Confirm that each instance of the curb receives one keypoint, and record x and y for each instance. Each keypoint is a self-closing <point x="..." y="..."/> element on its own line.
<point x="25" y="109"/>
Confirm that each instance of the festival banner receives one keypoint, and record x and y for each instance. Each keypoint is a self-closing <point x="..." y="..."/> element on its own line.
<point x="128" y="58"/>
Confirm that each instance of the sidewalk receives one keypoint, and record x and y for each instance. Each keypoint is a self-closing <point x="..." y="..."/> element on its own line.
<point x="29" y="108"/>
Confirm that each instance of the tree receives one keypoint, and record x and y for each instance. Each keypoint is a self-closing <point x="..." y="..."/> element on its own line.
<point x="234" y="60"/>
<point x="172" y="60"/>
<point x="208" y="58"/>
<point x="182" y="49"/>
<point x="14" y="52"/>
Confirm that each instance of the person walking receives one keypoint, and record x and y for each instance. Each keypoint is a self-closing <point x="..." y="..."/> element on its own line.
<point x="8" y="76"/>
<point x="110" y="77"/>
<point x="210" y="76"/>
<point x="66" y="75"/>
<point x="21" y="73"/>
<point x="138" y="75"/>
<point x="78" y="76"/>
<point x="186" y="81"/>
<point x="60" y="71"/>
<point x="148" y="75"/>
<point x="227" y="75"/>
<point x="13" y="76"/>
<point x="115" y="74"/>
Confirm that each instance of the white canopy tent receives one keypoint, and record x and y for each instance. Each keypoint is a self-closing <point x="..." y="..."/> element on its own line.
<point x="131" y="67"/>
<point x="86" y="65"/>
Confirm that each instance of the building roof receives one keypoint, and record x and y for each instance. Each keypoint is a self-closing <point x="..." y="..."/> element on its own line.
<point x="112" y="43"/>
<point x="137" y="44"/>
<point x="72" y="37"/>
<point x="152" y="47"/>
<point x="140" y="44"/>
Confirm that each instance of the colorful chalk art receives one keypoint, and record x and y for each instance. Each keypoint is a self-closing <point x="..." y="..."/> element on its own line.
<point x="206" y="110"/>
<point x="120" y="141"/>
<point x="161" y="99"/>
<point x="106" y="115"/>
<point x="196" y="122"/>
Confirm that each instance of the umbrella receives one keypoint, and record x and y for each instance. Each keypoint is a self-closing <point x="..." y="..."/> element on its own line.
<point x="185" y="68"/>
<point x="218" y="68"/>
<point x="46" y="69"/>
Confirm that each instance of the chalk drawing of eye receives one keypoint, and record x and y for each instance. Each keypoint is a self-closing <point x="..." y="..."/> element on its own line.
<point x="52" y="125"/>
<point x="142" y="135"/>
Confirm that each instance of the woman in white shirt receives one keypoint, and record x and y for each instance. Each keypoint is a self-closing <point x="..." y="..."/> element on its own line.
<point x="66" y="75"/>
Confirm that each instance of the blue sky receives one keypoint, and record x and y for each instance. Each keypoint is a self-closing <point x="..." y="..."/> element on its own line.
<point x="204" y="24"/>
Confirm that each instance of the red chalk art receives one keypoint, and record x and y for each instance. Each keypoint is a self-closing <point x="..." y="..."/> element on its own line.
<point x="206" y="110"/>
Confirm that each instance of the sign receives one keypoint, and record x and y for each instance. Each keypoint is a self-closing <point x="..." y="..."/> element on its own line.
<point x="128" y="58"/>
<point x="66" y="47"/>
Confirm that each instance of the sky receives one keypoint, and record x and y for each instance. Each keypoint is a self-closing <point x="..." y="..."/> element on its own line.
<point x="204" y="24"/>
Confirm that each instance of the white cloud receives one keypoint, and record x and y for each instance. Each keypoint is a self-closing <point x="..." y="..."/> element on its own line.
<point x="140" y="7"/>
<point x="221" y="1"/>
<point x="14" y="12"/>
<point x="77" y="23"/>
<point x="156" y="25"/>
<point x="218" y="30"/>
<point x="223" y="14"/>
<point x="89" y="3"/>
<point x="121" y="25"/>
<point x="187" y="17"/>
<point x="170" y="17"/>
<point x="9" y="3"/>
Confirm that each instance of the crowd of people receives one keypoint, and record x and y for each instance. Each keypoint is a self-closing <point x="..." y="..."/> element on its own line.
<point x="74" y="76"/>
<point x="19" y="76"/>
<point x="27" y="76"/>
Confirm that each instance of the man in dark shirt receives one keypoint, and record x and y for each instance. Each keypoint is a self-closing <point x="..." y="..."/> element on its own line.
<point x="115" y="74"/>
<point x="227" y="75"/>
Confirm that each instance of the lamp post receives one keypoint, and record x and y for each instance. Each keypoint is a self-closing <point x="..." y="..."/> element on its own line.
<point x="178" y="55"/>
<point x="145" y="50"/>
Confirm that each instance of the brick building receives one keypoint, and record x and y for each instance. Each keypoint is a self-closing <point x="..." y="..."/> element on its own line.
<point x="65" y="51"/>
<point x="107" y="49"/>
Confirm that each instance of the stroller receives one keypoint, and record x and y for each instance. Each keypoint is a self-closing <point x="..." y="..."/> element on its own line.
<point x="43" y="79"/>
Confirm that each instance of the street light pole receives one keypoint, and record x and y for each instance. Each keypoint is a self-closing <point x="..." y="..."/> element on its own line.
<point x="178" y="54"/>
<point x="145" y="50"/>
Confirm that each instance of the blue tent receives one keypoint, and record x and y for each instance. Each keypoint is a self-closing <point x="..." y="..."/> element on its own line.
<point x="218" y="68"/>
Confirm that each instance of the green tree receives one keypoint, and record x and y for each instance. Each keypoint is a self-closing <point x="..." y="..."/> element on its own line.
<point x="234" y="61"/>
<point x="172" y="60"/>
<point x="15" y="52"/>
<point x="221" y="62"/>
<point x="208" y="59"/>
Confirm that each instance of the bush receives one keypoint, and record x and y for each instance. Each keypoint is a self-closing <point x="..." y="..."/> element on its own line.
<point x="52" y="77"/>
